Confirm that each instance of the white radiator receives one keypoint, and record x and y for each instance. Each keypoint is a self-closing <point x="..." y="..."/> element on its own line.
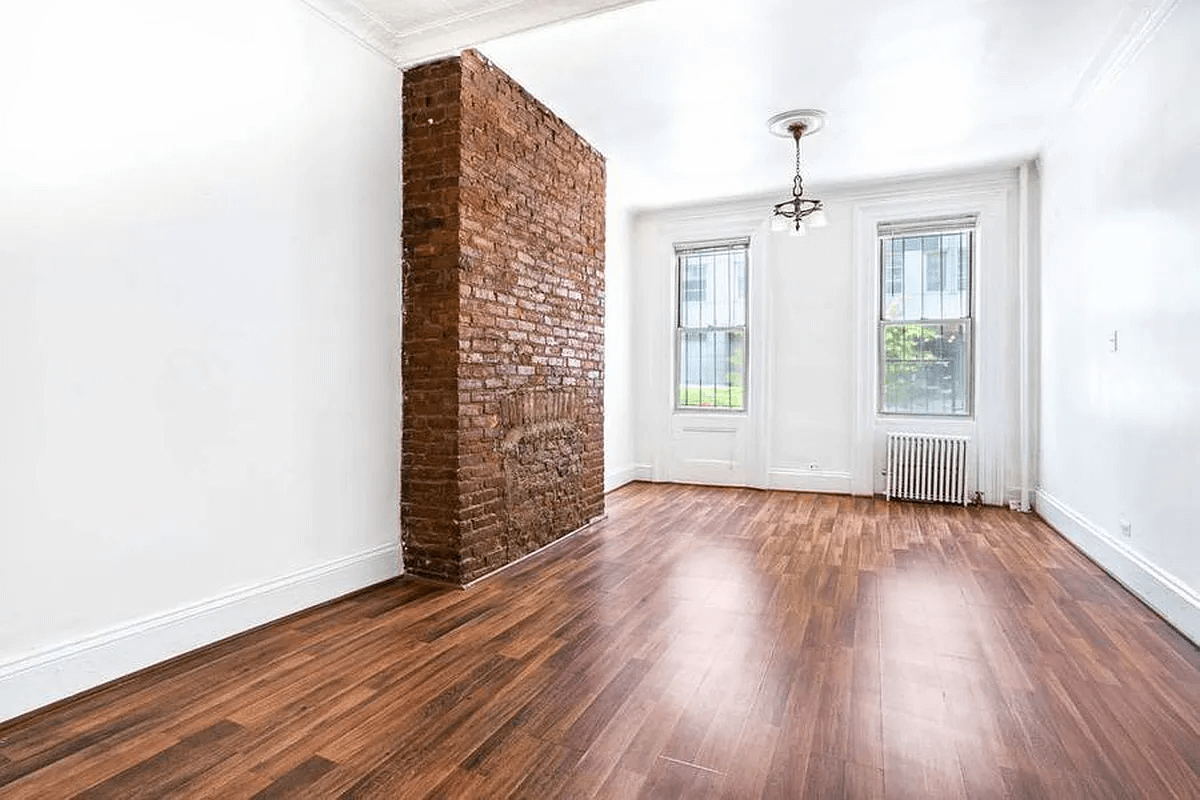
<point x="923" y="466"/>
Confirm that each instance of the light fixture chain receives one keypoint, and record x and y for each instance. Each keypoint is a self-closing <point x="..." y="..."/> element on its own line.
<point x="797" y="183"/>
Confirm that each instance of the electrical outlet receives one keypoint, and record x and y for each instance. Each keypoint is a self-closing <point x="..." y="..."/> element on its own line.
<point x="1126" y="528"/>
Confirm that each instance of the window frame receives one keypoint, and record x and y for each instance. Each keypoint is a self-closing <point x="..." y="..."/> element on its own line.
<point x="740" y="289"/>
<point x="933" y="226"/>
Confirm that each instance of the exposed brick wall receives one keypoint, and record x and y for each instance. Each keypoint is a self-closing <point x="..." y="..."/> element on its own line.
<point x="429" y="354"/>
<point x="503" y="322"/>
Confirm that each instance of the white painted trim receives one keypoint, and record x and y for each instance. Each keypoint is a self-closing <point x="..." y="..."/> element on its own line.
<point x="708" y="463"/>
<point x="739" y="216"/>
<point x="810" y="480"/>
<point x="1024" y="375"/>
<point x="643" y="472"/>
<point x="762" y="341"/>
<point x="440" y="38"/>
<point x="55" y="673"/>
<point x="756" y="207"/>
<point x="370" y="31"/>
<point x="462" y="18"/>
<point x="1168" y="596"/>
<point x="617" y="478"/>
<point x="449" y="36"/>
<point x="865" y="309"/>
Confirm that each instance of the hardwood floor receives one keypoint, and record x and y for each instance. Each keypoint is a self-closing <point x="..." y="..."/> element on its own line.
<point x="698" y="643"/>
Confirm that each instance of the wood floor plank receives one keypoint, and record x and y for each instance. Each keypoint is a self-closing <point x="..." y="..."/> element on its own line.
<point x="169" y="771"/>
<point x="699" y="642"/>
<point x="86" y="768"/>
<point x="14" y="771"/>
<point x="296" y="781"/>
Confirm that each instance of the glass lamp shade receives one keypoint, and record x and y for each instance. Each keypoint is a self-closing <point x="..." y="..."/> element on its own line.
<point x="779" y="223"/>
<point x="817" y="219"/>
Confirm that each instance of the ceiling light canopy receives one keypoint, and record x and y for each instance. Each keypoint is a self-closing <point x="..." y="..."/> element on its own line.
<point x="799" y="213"/>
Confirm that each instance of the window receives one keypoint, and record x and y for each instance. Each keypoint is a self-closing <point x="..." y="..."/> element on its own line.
<point x="710" y="326"/>
<point x="925" y="316"/>
<point x="693" y="284"/>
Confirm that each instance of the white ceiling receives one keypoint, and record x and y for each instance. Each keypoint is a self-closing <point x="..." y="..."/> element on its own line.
<point x="676" y="93"/>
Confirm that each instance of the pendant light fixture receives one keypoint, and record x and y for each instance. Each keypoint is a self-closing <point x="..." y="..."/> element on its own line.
<point x="799" y="213"/>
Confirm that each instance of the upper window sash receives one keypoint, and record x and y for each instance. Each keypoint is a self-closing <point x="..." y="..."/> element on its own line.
<point x="925" y="275"/>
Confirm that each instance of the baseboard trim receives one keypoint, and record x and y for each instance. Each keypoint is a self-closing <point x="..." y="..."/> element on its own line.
<point x="619" y="477"/>
<point x="1169" y="597"/>
<point x="594" y="520"/>
<point x="56" y="673"/>
<point x="643" y="472"/>
<point x="810" y="480"/>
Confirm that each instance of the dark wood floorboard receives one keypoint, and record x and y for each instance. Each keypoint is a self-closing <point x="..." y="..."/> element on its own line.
<point x="699" y="643"/>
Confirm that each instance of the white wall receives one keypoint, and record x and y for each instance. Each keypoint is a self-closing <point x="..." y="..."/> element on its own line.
<point x="198" y="237"/>
<point x="811" y="354"/>
<point x="811" y="422"/>
<point x="1121" y="252"/>
<point x="619" y="467"/>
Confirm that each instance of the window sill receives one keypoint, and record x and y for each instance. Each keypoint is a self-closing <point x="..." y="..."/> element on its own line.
<point x="689" y="411"/>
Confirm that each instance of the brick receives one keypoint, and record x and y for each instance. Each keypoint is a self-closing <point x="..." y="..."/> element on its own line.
<point x="503" y="243"/>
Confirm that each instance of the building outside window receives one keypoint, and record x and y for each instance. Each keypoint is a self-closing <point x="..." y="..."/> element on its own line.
<point x="925" y="319"/>
<point x="710" y="327"/>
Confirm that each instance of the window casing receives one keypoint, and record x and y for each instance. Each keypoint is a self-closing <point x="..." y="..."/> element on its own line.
<point x="926" y="357"/>
<point x="710" y="325"/>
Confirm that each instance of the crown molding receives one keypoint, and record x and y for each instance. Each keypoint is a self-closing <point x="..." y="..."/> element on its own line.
<point x="1121" y="48"/>
<point x="448" y="36"/>
<point x="453" y="34"/>
<point x="369" y="30"/>
<point x="996" y="175"/>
